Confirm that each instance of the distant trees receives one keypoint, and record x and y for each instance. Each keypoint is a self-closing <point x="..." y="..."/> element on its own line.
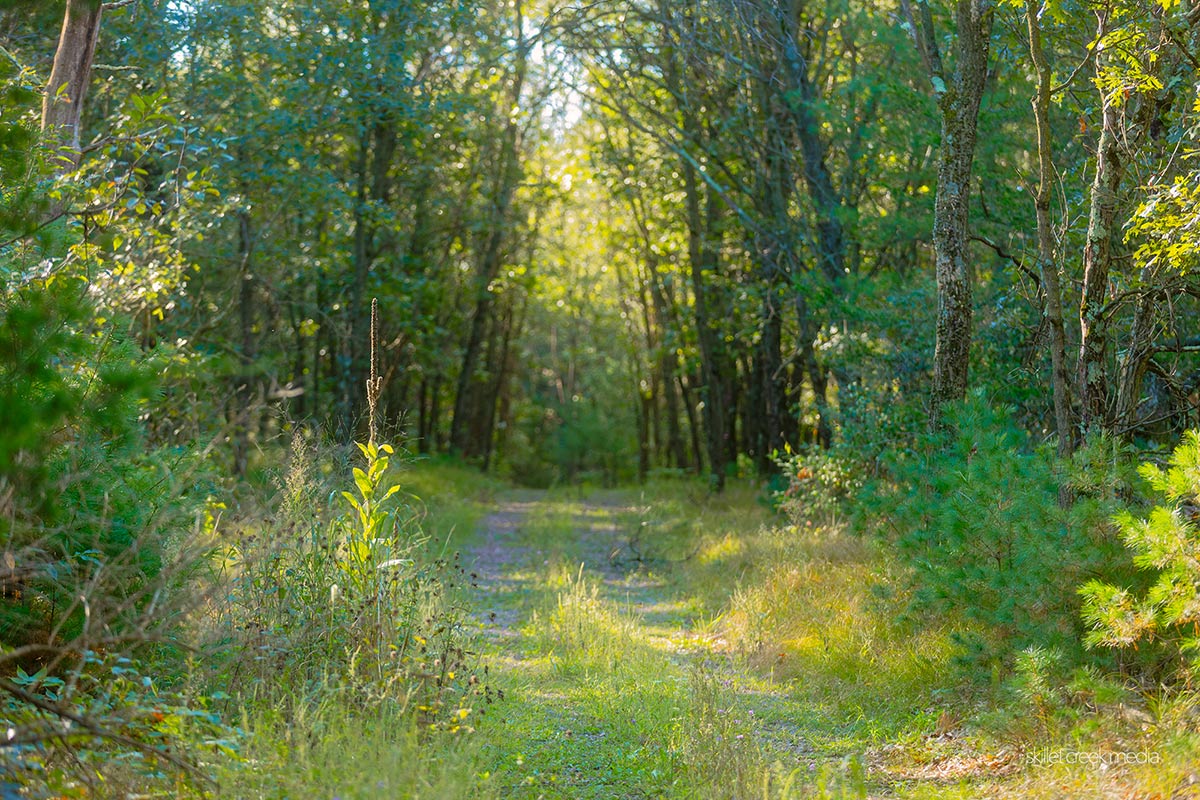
<point x="777" y="190"/>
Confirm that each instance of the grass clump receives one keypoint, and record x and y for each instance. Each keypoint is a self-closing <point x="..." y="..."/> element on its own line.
<point x="333" y="747"/>
<point x="586" y="633"/>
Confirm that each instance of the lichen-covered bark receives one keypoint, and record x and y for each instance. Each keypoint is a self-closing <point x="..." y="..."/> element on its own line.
<point x="1092" y="377"/>
<point x="959" y="103"/>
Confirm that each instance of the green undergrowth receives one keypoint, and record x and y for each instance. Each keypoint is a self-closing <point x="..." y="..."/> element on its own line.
<point x="336" y="749"/>
<point x="663" y="642"/>
<point x="452" y="495"/>
<point x="351" y="669"/>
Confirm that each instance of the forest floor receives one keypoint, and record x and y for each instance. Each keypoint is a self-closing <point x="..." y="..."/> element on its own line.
<point x="663" y="642"/>
<point x="619" y="683"/>
<point x="666" y="644"/>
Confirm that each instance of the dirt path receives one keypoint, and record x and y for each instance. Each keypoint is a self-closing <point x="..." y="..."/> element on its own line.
<point x="507" y="566"/>
<point x="571" y="737"/>
<point x="617" y="684"/>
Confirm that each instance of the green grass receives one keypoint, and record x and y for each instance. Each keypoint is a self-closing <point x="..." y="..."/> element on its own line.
<point x="615" y="683"/>
<point x="452" y="495"/>
<point x="333" y="749"/>
<point x="661" y="642"/>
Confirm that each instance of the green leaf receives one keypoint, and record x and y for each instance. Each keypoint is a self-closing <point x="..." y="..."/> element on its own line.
<point x="363" y="482"/>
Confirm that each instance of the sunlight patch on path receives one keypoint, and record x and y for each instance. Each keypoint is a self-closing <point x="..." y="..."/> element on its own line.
<point x="576" y="724"/>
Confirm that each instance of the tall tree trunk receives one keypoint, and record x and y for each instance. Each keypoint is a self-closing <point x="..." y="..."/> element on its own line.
<point x="1047" y="263"/>
<point x="694" y="428"/>
<point x="66" y="90"/>
<point x="827" y="202"/>
<point x="701" y="257"/>
<point x="831" y="237"/>
<point x="646" y="400"/>
<point x="244" y="392"/>
<point x="770" y="379"/>
<point x="958" y="98"/>
<point x="437" y="436"/>
<point x="350" y="388"/>
<point x="423" y="415"/>
<point x="777" y="262"/>
<point x="668" y="369"/>
<point x="1091" y="377"/>
<point x="373" y="165"/>
<point x="1137" y="357"/>
<point x="818" y="377"/>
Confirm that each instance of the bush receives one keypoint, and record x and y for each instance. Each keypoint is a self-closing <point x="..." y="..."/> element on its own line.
<point x="1168" y="543"/>
<point x="819" y="483"/>
<point x="350" y="603"/>
<point x="977" y="517"/>
<point x="94" y="569"/>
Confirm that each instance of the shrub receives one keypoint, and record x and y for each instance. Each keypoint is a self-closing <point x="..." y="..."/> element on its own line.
<point x="977" y="517"/>
<point x="351" y="603"/>
<point x="1166" y="541"/>
<point x="819" y="483"/>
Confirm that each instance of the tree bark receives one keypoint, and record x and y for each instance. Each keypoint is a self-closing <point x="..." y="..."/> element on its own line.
<point x="1047" y="264"/>
<point x="958" y="97"/>
<point x="1137" y="357"/>
<point x="1092" y="376"/>
<point x="62" y="107"/>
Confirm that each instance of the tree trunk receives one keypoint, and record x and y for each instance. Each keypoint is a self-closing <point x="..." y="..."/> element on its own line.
<point x="244" y="390"/>
<point x="769" y="378"/>
<point x="373" y="164"/>
<point x="774" y="189"/>
<point x="62" y="107"/>
<point x="1047" y="264"/>
<point x="689" y="406"/>
<point x="831" y="237"/>
<point x="958" y="99"/>
<point x="1137" y="357"/>
<point x="1092" y="378"/>
<point x="701" y="257"/>
<point x="818" y="378"/>
<point x="669" y="370"/>
<point x="508" y="176"/>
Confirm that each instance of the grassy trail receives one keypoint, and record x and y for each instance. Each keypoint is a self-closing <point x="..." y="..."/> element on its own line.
<point x="665" y="643"/>
<point x="615" y="685"/>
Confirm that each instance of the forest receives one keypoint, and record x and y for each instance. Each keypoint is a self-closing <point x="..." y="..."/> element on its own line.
<point x="612" y="399"/>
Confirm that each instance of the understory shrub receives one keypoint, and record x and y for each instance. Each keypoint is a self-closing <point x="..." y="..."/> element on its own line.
<point x="976" y="515"/>
<point x="818" y="484"/>
<point x="1166" y="544"/>
<point x="94" y="566"/>
<point x="352" y="600"/>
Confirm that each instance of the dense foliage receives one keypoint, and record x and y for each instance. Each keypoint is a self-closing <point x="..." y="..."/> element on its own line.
<point x="827" y="245"/>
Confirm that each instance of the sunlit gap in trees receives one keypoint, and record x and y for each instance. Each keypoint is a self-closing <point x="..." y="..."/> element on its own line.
<point x="564" y="105"/>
